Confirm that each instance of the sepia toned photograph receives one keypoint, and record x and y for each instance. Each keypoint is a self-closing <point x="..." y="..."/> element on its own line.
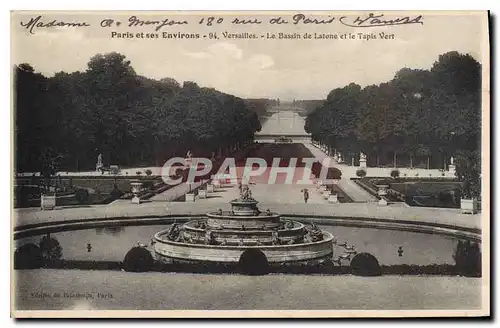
<point x="250" y="164"/>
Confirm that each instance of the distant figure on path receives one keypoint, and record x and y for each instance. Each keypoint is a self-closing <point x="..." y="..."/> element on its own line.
<point x="306" y="195"/>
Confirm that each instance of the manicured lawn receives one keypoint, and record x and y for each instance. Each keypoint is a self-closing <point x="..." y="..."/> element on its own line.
<point x="429" y="193"/>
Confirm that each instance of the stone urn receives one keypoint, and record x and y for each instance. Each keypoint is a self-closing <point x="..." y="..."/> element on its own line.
<point x="468" y="206"/>
<point x="382" y="192"/>
<point x="47" y="202"/>
<point x="322" y="188"/>
<point x="190" y="197"/>
<point x="136" y="189"/>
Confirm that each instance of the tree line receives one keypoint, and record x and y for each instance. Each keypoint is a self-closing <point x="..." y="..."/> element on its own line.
<point x="419" y="117"/>
<point x="63" y="122"/>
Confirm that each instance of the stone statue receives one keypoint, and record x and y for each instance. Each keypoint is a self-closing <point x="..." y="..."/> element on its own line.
<point x="452" y="160"/>
<point x="315" y="233"/>
<point x="99" y="164"/>
<point x="275" y="238"/>
<point x="174" y="232"/>
<point x="245" y="193"/>
<point x="209" y="237"/>
<point x="362" y="156"/>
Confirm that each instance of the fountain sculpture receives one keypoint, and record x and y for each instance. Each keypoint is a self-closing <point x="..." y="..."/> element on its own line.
<point x="222" y="237"/>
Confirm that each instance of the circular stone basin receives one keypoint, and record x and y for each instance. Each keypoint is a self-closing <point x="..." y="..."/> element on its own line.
<point x="230" y="221"/>
<point x="309" y="253"/>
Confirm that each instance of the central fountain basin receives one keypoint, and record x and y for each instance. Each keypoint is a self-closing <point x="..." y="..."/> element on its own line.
<point x="224" y="236"/>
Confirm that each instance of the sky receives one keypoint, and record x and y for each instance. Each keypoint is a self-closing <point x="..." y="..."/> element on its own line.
<point x="263" y="68"/>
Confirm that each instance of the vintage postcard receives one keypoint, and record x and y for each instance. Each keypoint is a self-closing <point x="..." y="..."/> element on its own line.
<point x="250" y="164"/>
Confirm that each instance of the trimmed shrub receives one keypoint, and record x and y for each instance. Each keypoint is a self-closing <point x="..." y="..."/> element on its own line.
<point x="395" y="174"/>
<point x="138" y="259"/>
<point x="51" y="248"/>
<point x="28" y="256"/>
<point x="116" y="193"/>
<point x="148" y="172"/>
<point x="365" y="264"/>
<point x="468" y="259"/>
<point x="82" y="196"/>
<point x="253" y="262"/>
<point x="361" y="173"/>
<point x="138" y="172"/>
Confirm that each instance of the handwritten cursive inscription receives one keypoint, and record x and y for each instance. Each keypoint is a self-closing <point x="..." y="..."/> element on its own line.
<point x="158" y="24"/>
<point x="379" y="20"/>
<point x="301" y="18"/>
<point x="36" y="22"/>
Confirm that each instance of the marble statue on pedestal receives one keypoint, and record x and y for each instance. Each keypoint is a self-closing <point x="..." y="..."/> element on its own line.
<point x="99" y="164"/>
<point x="362" y="159"/>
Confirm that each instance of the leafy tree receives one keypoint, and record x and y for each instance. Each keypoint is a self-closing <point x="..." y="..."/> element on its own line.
<point x="418" y="116"/>
<point x="65" y="121"/>
<point x="468" y="170"/>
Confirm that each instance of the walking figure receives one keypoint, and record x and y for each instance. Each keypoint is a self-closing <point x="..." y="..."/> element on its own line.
<point x="306" y="195"/>
<point x="400" y="251"/>
<point x="89" y="248"/>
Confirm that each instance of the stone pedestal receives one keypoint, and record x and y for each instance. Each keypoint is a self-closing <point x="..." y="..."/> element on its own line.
<point x="452" y="169"/>
<point x="136" y="200"/>
<point x="333" y="199"/>
<point x="210" y="188"/>
<point x="190" y="197"/>
<point x="202" y="193"/>
<point x="47" y="202"/>
<point x="468" y="206"/>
